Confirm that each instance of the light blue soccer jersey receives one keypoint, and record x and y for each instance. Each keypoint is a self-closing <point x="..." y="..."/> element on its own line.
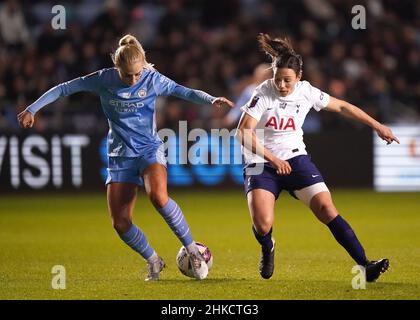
<point x="130" y="110"/>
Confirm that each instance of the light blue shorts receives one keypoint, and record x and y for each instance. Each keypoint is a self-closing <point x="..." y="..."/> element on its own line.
<point x="130" y="169"/>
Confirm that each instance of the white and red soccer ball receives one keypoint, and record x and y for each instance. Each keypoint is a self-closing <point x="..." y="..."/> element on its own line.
<point x="183" y="261"/>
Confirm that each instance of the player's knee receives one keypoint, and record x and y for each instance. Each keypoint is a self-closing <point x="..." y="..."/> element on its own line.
<point x="326" y="212"/>
<point x="263" y="227"/>
<point x="121" y="225"/>
<point x="158" y="199"/>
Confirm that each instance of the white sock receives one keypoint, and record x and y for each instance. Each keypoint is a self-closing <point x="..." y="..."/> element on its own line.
<point x="192" y="247"/>
<point x="153" y="258"/>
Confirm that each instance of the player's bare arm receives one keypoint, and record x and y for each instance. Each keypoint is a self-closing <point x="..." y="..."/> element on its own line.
<point x="247" y="137"/>
<point x="353" y="112"/>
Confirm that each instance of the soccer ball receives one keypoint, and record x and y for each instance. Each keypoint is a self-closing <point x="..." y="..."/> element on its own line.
<point x="183" y="262"/>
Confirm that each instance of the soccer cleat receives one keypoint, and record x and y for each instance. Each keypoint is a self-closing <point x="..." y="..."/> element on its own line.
<point x="198" y="265"/>
<point x="153" y="269"/>
<point x="375" y="268"/>
<point x="267" y="262"/>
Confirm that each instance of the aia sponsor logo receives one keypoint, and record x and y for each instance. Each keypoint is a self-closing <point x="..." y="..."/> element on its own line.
<point x="281" y="124"/>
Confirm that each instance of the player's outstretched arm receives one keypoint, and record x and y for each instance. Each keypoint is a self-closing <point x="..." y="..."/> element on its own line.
<point x="246" y="135"/>
<point x="353" y="112"/>
<point x="86" y="83"/>
<point x="199" y="96"/>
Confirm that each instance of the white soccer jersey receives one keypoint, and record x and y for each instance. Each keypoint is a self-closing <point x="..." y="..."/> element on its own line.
<point x="281" y="118"/>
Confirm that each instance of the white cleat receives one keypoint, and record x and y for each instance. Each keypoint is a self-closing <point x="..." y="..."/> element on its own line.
<point x="199" y="266"/>
<point x="153" y="270"/>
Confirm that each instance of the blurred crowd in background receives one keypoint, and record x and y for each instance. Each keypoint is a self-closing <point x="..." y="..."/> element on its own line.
<point x="210" y="45"/>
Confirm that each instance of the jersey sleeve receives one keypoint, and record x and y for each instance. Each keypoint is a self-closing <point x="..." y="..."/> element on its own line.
<point x="167" y="87"/>
<point x="163" y="85"/>
<point x="90" y="83"/>
<point x="256" y="106"/>
<point x="319" y="99"/>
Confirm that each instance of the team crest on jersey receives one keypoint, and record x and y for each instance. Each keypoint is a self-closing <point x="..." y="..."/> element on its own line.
<point x="297" y="108"/>
<point x="321" y="96"/>
<point x="283" y="105"/>
<point x="254" y="102"/>
<point x="142" y="93"/>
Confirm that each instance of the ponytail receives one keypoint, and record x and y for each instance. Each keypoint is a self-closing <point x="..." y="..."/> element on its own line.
<point x="130" y="51"/>
<point x="281" y="52"/>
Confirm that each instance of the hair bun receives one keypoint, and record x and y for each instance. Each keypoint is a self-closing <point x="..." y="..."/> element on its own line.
<point x="128" y="40"/>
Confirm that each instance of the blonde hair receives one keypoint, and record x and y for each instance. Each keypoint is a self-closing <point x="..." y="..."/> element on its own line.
<point x="129" y="51"/>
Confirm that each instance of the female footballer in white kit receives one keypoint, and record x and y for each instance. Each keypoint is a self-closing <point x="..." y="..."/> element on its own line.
<point x="278" y="160"/>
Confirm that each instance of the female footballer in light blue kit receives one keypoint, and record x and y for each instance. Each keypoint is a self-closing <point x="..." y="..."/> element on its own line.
<point x="128" y="94"/>
<point x="279" y="107"/>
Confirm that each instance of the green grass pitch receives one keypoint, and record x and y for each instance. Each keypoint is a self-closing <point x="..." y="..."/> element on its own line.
<point x="38" y="232"/>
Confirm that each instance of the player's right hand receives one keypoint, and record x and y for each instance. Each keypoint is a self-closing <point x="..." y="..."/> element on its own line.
<point x="386" y="134"/>
<point x="26" y="119"/>
<point x="282" y="167"/>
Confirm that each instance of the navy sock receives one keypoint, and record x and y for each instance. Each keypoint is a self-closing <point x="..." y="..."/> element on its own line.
<point x="345" y="236"/>
<point x="264" y="240"/>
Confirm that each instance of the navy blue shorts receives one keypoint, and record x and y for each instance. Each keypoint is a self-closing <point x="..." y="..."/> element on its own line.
<point x="304" y="174"/>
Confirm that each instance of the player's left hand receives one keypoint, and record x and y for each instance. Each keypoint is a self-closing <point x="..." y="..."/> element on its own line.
<point x="221" y="101"/>
<point x="26" y="119"/>
<point x="386" y="134"/>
